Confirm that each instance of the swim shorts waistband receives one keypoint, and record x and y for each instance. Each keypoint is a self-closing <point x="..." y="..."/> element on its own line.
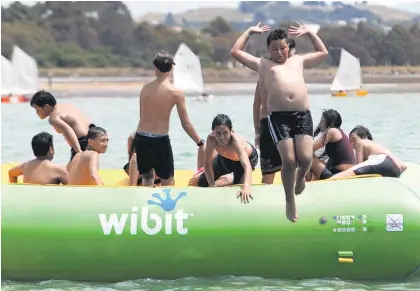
<point x="290" y="112"/>
<point x="149" y="134"/>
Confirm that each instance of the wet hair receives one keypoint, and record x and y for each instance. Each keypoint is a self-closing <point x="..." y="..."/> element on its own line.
<point x="292" y="44"/>
<point x="332" y="120"/>
<point x="42" y="98"/>
<point x="221" y="119"/>
<point x="95" y="131"/>
<point x="276" y="34"/>
<point x="163" y="61"/>
<point x="362" y="132"/>
<point x="41" y="144"/>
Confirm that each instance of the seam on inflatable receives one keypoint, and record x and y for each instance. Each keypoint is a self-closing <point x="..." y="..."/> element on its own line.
<point x="413" y="272"/>
<point x="407" y="187"/>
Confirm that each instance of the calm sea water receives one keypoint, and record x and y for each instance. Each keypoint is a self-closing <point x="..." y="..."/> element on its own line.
<point x="393" y="120"/>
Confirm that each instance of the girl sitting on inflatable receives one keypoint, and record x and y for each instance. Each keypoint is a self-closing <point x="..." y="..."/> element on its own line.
<point x="337" y="145"/>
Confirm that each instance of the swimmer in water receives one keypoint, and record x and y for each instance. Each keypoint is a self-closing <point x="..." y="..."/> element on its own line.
<point x="84" y="168"/>
<point x="234" y="155"/>
<point x="371" y="157"/>
<point x="66" y="119"/>
<point x="40" y="170"/>
<point x="290" y="119"/>
<point x="152" y="143"/>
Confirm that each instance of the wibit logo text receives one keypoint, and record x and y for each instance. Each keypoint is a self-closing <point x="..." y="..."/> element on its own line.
<point x="150" y="223"/>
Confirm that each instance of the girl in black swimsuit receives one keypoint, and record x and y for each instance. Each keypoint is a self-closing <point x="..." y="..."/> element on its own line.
<point x="338" y="148"/>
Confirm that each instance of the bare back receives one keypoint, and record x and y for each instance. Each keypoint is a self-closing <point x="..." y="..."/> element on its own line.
<point x="73" y="117"/>
<point x="44" y="172"/>
<point x="285" y="85"/>
<point x="371" y="148"/>
<point x="83" y="168"/>
<point x="157" y="100"/>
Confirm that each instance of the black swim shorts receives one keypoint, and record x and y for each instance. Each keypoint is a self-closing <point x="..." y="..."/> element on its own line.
<point x="154" y="152"/>
<point x="222" y="166"/>
<point x="270" y="159"/>
<point x="378" y="165"/>
<point x="288" y="124"/>
<point x="83" y="142"/>
<point x="328" y="172"/>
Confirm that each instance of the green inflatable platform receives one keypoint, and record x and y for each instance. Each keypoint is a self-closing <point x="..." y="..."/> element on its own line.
<point x="363" y="228"/>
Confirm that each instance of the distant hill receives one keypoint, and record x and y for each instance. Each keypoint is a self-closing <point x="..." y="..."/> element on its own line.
<point x="103" y="34"/>
<point x="200" y="15"/>
<point x="311" y="12"/>
<point x="388" y="15"/>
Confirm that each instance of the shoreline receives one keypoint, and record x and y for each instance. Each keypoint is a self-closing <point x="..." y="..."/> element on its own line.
<point x="224" y="82"/>
<point x="212" y="75"/>
<point x="132" y="89"/>
<point x="128" y="81"/>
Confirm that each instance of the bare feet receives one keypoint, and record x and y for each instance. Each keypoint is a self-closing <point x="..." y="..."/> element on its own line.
<point x="194" y="180"/>
<point x="300" y="185"/>
<point x="291" y="211"/>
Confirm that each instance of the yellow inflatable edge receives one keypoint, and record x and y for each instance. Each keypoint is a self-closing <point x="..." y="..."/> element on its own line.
<point x="118" y="178"/>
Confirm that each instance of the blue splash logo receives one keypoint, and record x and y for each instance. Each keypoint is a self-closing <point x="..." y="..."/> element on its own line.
<point x="159" y="221"/>
<point x="167" y="204"/>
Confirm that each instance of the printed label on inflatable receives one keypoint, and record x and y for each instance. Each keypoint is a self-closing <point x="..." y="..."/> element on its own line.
<point x="394" y="222"/>
<point x="151" y="223"/>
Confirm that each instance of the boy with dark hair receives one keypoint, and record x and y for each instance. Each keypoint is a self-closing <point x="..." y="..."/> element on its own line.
<point x="153" y="146"/>
<point x="84" y="168"/>
<point x="40" y="170"/>
<point x="372" y="158"/>
<point x="290" y="119"/>
<point x="66" y="119"/>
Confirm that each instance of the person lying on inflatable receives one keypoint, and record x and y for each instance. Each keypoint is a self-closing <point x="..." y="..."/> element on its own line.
<point x="234" y="155"/>
<point x="371" y="157"/>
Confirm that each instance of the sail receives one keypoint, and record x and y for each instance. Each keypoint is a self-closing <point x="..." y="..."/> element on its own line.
<point x="25" y="72"/>
<point x="6" y="77"/>
<point x="348" y="76"/>
<point x="187" y="72"/>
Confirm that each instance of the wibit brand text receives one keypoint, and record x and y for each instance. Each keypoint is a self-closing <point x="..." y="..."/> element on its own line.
<point x="150" y="223"/>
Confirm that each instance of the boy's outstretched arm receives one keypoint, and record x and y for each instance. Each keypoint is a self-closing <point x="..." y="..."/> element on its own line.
<point x="243" y="57"/>
<point x="320" y="53"/>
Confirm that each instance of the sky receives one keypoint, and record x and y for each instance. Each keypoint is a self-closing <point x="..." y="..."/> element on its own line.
<point x="139" y="8"/>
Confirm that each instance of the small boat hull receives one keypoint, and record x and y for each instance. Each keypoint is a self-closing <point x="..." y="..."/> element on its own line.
<point x="15" y="99"/>
<point x="358" y="93"/>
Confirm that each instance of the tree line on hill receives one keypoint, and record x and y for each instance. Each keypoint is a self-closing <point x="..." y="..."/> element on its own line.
<point x="103" y="34"/>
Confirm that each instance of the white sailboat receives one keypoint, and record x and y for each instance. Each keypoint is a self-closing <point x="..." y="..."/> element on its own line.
<point x="348" y="77"/>
<point x="25" y="73"/>
<point x="6" y="77"/>
<point x="187" y="72"/>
